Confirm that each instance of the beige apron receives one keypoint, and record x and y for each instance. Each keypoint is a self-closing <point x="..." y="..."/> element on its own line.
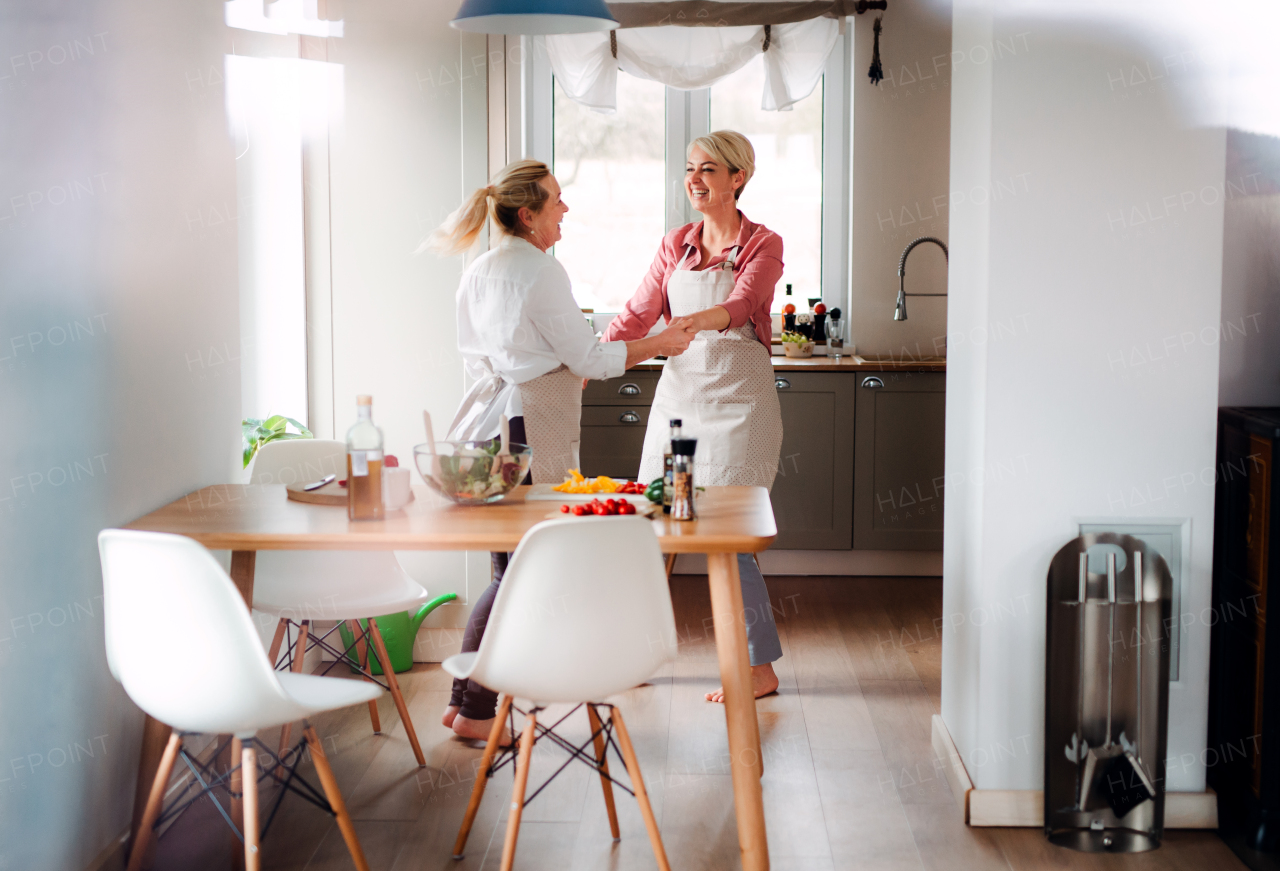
<point x="722" y="388"/>
<point x="552" y="408"/>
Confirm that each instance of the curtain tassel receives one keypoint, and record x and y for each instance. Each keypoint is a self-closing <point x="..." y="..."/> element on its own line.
<point x="768" y="37"/>
<point x="613" y="43"/>
<point x="877" y="71"/>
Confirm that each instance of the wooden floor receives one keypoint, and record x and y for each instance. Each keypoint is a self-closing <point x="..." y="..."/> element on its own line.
<point x="850" y="778"/>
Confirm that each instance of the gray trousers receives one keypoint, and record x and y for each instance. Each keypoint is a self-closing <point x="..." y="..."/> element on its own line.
<point x="763" y="644"/>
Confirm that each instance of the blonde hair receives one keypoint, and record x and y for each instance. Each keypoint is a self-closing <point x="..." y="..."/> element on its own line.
<point x="512" y="189"/>
<point x="731" y="149"/>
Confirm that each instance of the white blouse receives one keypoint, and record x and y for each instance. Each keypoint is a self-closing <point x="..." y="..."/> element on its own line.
<point x="517" y="319"/>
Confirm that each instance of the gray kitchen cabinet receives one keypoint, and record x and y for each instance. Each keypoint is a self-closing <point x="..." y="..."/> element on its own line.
<point x="614" y="416"/>
<point x="899" y="460"/>
<point x="813" y="491"/>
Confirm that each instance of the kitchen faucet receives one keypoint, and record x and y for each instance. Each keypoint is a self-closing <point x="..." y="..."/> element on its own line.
<point x="900" y="312"/>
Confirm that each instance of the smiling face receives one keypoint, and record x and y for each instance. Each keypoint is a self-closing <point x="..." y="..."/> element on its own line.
<point x="710" y="185"/>
<point x="543" y="226"/>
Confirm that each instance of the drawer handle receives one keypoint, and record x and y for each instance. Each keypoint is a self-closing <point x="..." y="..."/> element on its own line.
<point x="872" y="381"/>
<point x="629" y="389"/>
<point x="629" y="417"/>
<point x="782" y="383"/>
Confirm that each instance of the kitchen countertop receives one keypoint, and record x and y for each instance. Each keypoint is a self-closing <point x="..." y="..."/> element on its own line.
<point x="848" y="363"/>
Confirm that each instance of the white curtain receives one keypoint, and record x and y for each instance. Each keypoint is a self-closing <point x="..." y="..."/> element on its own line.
<point x="694" y="57"/>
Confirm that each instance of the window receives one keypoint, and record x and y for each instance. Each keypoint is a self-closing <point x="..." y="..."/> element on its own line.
<point x="622" y="174"/>
<point x="610" y="169"/>
<point x="786" y="192"/>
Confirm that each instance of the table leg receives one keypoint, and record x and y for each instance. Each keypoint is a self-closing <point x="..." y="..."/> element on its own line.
<point x="739" y="709"/>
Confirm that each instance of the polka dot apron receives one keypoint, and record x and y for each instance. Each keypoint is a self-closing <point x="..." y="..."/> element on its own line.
<point x="721" y="388"/>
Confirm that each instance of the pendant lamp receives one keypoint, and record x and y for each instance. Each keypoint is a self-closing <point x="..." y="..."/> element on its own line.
<point x="534" y="17"/>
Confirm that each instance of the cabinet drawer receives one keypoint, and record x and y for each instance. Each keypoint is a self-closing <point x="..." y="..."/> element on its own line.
<point x="633" y="388"/>
<point x="632" y="416"/>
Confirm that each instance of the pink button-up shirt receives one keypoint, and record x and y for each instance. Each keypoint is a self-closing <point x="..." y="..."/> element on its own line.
<point x="756" y="271"/>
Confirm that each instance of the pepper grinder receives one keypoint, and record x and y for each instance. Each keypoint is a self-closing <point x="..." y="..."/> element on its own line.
<point x="682" y="451"/>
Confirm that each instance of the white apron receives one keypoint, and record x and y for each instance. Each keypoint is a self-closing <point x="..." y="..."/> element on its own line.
<point x="552" y="408"/>
<point x="722" y="389"/>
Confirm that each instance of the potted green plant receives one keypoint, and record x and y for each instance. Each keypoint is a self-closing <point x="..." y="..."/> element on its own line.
<point x="257" y="433"/>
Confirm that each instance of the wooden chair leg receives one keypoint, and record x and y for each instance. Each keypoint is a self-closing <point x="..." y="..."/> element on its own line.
<point x="299" y="654"/>
<point x="273" y="654"/>
<point x="138" y="849"/>
<point x="249" y="776"/>
<point x="517" y="792"/>
<point x="362" y="651"/>
<point x="605" y="783"/>
<point x="482" y="777"/>
<point x="334" y="795"/>
<point x="390" y="674"/>
<point x="236" y="785"/>
<point x="671" y="564"/>
<point x="642" y="795"/>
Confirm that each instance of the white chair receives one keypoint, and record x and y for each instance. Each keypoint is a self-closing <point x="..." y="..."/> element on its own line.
<point x="298" y="587"/>
<point x="583" y="612"/>
<point x="208" y="675"/>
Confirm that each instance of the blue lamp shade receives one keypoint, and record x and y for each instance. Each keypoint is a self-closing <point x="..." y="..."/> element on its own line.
<point x="534" y="17"/>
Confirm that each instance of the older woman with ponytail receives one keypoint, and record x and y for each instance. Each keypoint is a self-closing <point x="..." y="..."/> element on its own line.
<point x="527" y="346"/>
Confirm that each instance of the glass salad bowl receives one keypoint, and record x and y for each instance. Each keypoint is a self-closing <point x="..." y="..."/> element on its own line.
<point x="472" y="473"/>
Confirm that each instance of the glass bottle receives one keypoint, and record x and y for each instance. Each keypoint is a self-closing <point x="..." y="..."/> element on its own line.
<point x="364" y="464"/>
<point x="666" y="465"/>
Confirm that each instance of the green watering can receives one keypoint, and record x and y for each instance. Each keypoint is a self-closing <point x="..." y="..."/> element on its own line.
<point x="398" y="632"/>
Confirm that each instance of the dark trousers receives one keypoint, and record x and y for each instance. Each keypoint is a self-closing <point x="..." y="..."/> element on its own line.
<point x="476" y="702"/>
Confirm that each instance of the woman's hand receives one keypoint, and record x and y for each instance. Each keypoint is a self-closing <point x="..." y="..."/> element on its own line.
<point x="676" y="338"/>
<point x="671" y="342"/>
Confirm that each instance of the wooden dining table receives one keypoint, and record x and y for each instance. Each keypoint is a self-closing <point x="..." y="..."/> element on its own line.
<point x="731" y="520"/>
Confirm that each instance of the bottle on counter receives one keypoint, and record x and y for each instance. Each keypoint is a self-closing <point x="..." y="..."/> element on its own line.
<point x="683" y="490"/>
<point x="788" y="319"/>
<point x="364" y="464"/>
<point x="666" y="465"/>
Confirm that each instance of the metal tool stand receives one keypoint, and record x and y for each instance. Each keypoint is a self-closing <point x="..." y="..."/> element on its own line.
<point x="1106" y="695"/>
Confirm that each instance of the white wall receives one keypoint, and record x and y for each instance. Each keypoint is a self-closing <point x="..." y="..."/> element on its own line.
<point x="1090" y="397"/>
<point x="1250" y="334"/>
<point x="411" y="145"/>
<point x="901" y="136"/>
<point x="116" y="188"/>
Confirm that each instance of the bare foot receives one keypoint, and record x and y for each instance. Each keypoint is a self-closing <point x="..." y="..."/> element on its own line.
<point x="450" y="714"/>
<point x="763" y="682"/>
<point x="478" y="730"/>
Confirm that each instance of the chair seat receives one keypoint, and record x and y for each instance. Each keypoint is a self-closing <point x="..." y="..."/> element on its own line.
<point x="346" y="608"/>
<point x="554" y="689"/>
<point x="318" y="694"/>
<point x="333" y="585"/>
<point x="460" y="665"/>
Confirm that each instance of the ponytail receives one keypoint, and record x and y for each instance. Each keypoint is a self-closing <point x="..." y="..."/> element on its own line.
<point x="514" y="188"/>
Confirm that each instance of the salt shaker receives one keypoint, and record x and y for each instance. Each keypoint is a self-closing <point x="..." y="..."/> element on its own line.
<point x="682" y="451"/>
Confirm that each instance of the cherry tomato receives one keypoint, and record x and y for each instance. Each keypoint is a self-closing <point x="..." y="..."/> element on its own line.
<point x="579" y="510"/>
<point x="820" y="309"/>
<point x="627" y="508"/>
<point x="564" y="509"/>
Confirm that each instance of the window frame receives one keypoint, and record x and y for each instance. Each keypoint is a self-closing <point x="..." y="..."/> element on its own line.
<point x="530" y="133"/>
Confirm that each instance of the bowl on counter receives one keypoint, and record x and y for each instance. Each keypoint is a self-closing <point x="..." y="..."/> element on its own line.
<point x="472" y="473"/>
<point x="798" y="349"/>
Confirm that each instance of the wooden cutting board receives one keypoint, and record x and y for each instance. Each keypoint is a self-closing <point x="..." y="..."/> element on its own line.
<point x="329" y="494"/>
